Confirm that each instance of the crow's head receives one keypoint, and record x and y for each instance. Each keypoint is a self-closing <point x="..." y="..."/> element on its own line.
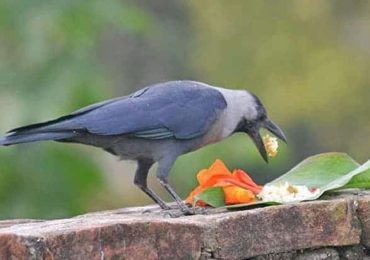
<point x="254" y="117"/>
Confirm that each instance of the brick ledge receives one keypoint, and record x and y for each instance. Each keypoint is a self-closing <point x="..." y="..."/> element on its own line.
<point x="143" y="232"/>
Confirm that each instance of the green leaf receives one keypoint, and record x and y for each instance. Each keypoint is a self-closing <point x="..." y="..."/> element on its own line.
<point x="326" y="172"/>
<point x="319" y="170"/>
<point x="352" y="179"/>
<point x="362" y="179"/>
<point x="213" y="196"/>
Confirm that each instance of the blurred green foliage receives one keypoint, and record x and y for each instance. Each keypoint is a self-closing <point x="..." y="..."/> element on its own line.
<point x="308" y="61"/>
<point x="49" y="65"/>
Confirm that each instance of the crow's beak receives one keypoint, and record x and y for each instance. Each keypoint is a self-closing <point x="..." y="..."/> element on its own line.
<point x="256" y="137"/>
<point x="273" y="128"/>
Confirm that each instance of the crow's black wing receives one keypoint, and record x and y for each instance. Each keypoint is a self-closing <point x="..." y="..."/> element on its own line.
<point x="174" y="109"/>
<point x="180" y="109"/>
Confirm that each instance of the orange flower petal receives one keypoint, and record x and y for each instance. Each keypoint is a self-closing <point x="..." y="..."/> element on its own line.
<point x="245" y="178"/>
<point x="196" y="191"/>
<point x="218" y="167"/>
<point x="236" y="195"/>
<point x="216" y="178"/>
<point x="238" y="186"/>
<point x="227" y="180"/>
<point x="214" y="181"/>
<point x="203" y="176"/>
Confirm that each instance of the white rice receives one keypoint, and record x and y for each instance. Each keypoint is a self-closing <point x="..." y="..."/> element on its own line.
<point x="286" y="193"/>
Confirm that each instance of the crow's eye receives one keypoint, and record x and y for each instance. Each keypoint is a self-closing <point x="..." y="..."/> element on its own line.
<point x="262" y="117"/>
<point x="249" y="124"/>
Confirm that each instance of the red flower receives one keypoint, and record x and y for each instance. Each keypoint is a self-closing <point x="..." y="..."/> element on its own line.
<point x="238" y="186"/>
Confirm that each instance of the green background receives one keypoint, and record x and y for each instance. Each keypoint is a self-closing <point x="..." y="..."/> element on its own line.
<point x="308" y="61"/>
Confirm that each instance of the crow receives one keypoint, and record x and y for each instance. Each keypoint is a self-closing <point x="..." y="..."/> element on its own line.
<point x="157" y="124"/>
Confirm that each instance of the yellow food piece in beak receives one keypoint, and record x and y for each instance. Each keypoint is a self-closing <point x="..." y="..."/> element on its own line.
<point x="271" y="145"/>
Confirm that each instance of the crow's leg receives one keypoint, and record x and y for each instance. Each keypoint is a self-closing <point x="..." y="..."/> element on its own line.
<point x="141" y="175"/>
<point x="164" y="167"/>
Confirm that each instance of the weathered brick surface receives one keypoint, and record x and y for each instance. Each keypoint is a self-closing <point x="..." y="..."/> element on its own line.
<point x="356" y="252"/>
<point x="284" y="228"/>
<point x="9" y="223"/>
<point x="364" y="217"/>
<point x="134" y="233"/>
<point x="108" y="235"/>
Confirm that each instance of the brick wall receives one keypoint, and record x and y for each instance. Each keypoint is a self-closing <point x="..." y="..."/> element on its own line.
<point x="336" y="228"/>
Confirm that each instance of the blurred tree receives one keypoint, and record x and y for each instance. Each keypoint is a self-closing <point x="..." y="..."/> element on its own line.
<point x="48" y="65"/>
<point x="307" y="60"/>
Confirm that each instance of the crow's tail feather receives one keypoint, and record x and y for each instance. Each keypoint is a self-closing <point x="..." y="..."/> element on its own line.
<point x="24" y="137"/>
